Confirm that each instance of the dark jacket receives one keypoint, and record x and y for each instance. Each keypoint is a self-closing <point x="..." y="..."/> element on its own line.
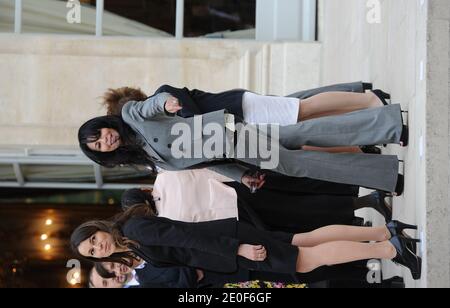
<point x="199" y="102"/>
<point x="166" y="277"/>
<point x="210" y="246"/>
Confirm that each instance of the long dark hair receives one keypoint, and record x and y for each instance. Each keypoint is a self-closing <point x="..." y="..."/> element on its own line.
<point x="137" y="210"/>
<point x="134" y="196"/>
<point x="130" y="151"/>
<point x="113" y="227"/>
<point x="88" y="229"/>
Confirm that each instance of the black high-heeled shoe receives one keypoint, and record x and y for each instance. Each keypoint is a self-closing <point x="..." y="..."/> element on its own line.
<point x="367" y="86"/>
<point x="406" y="257"/>
<point x="382" y="96"/>
<point x="404" y="139"/>
<point x="397" y="228"/>
<point x="382" y="207"/>
<point x="370" y="149"/>
<point x="400" y="188"/>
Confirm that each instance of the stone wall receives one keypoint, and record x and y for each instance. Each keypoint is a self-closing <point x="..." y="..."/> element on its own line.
<point x="51" y="84"/>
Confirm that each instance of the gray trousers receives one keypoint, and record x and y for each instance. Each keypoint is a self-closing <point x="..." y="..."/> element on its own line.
<point x="371" y="126"/>
<point x="356" y="87"/>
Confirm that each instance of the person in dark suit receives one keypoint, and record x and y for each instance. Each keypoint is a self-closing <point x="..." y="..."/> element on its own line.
<point x="226" y="245"/>
<point x="200" y="102"/>
<point x="145" y="275"/>
<point x="349" y="275"/>
<point x="200" y="195"/>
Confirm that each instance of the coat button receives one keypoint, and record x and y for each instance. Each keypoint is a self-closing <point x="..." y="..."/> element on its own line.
<point x="169" y="146"/>
<point x="156" y="140"/>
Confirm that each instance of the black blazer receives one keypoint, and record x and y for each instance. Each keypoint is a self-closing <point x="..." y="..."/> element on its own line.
<point x="199" y="102"/>
<point x="209" y="246"/>
<point x="170" y="277"/>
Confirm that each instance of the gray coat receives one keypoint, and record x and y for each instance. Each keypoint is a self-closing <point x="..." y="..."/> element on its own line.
<point x="154" y="125"/>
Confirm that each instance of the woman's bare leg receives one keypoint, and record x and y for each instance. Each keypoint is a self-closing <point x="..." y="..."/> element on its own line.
<point x="341" y="233"/>
<point x="342" y="252"/>
<point x="333" y="150"/>
<point x="336" y="103"/>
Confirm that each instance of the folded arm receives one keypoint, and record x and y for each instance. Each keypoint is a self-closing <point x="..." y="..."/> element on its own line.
<point x="152" y="107"/>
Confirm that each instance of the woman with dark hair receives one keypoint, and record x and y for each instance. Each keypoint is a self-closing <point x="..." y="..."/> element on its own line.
<point x="259" y="109"/>
<point x="155" y="135"/>
<point x="203" y="195"/>
<point x="130" y="150"/>
<point x="226" y="245"/>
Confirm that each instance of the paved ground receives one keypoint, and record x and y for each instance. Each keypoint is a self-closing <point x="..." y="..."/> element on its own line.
<point x="389" y="54"/>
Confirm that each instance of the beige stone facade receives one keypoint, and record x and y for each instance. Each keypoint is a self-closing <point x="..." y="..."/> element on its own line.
<point x="51" y="84"/>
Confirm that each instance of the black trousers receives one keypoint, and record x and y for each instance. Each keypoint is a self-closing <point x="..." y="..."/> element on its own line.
<point x="306" y="186"/>
<point x="290" y="212"/>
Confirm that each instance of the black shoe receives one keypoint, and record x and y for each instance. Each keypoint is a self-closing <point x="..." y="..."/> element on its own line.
<point x="404" y="139"/>
<point x="406" y="257"/>
<point x="367" y="86"/>
<point x="370" y="149"/>
<point x="358" y="221"/>
<point x="393" y="283"/>
<point x="382" y="96"/>
<point x="399" y="189"/>
<point x="396" y="228"/>
<point x="368" y="224"/>
<point x="381" y="206"/>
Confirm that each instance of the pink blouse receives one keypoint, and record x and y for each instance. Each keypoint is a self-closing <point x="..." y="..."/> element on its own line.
<point x="194" y="196"/>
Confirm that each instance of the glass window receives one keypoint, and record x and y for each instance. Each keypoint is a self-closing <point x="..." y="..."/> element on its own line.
<point x="7" y="173"/>
<point x="83" y="174"/>
<point x="220" y="18"/>
<point x="60" y="196"/>
<point x="7" y="8"/>
<point x="58" y="16"/>
<point x="58" y="173"/>
<point x="139" y="17"/>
